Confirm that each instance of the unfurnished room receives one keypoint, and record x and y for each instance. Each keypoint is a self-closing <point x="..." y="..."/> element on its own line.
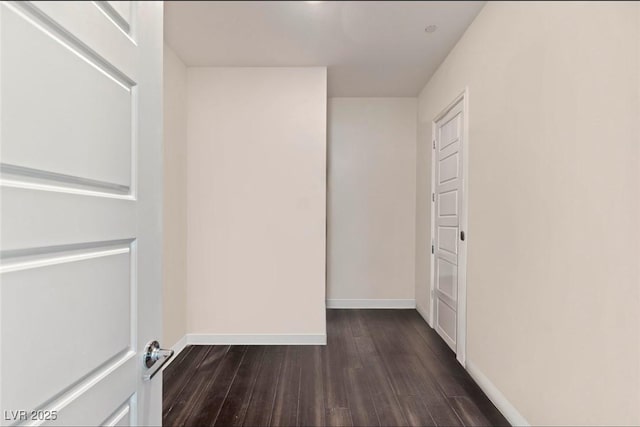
<point x="319" y="213"/>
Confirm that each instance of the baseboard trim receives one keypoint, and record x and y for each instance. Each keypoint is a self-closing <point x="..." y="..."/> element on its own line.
<point x="509" y="411"/>
<point x="371" y="303"/>
<point x="256" y="339"/>
<point x="177" y="349"/>
<point x="424" y="314"/>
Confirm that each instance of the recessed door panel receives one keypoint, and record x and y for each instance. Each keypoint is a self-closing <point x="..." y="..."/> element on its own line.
<point x="448" y="168"/>
<point x="46" y="294"/>
<point x="448" y="239"/>
<point x="446" y="323"/>
<point x="450" y="131"/>
<point x="448" y="203"/>
<point x="83" y="127"/>
<point x="447" y="278"/>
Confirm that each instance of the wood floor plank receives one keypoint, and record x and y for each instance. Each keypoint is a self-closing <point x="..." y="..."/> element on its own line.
<point x="178" y="374"/>
<point x="345" y="340"/>
<point x="211" y="393"/>
<point x="235" y="405"/>
<point x="404" y="378"/>
<point x="363" y="411"/>
<point x="285" y="406"/>
<point x="422" y="368"/>
<point x="398" y="356"/>
<point x="477" y="396"/>
<point x="388" y="341"/>
<point x="468" y="412"/>
<point x="185" y="403"/>
<point x="338" y="417"/>
<point x="416" y="411"/>
<point x="264" y="392"/>
<point x="335" y="395"/>
<point x="365" y="346"/>
<point x="334" y="358"/>
<point x="384" y="399"/>
<point x="356" y="322"/>
<point x="178" y="365"/>
<point x="311" y="410"/>
<point x="339" y="354"/>
<point x="444" y="415"/>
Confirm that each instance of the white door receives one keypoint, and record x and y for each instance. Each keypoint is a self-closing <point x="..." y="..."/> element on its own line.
<point x="448" y="202"/>
<point x="80" y="154"/>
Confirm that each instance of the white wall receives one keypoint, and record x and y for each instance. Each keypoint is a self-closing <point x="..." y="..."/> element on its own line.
<point x="256" y="201"/>
<point x="553" y="255"/>
<point x="371" y="201"/>
<point x="174" y="199"/>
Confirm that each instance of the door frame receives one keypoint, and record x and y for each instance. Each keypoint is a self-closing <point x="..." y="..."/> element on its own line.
<point x="461" y="310"/>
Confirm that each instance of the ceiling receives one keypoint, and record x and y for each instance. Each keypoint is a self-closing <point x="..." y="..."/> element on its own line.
<point x="370" y="48"/>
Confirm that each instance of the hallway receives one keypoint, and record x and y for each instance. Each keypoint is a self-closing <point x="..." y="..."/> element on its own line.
<point x="380" y="367"/>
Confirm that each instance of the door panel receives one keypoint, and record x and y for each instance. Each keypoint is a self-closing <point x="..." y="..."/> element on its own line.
<point x="90" y="285"/>
<point x="448" y="200"/>
<point x="98" y="145"/>
<point x="448" y="203"/>
<point x="450" y="131"/>
<point x="93" y="405"/>
<point x="97" y="34"/>
<point x="448" y="169"/>
<point x="447" y="282"/>
<point x="60" y="213"/>
<point x="447" y="238"/>
<point x="446" y="323"/>
<point x="80" y="164"/>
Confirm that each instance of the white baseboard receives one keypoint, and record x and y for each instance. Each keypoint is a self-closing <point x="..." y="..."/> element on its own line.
<point x="371" y="303"/>
<point x="424" y="314"/>
<point x="256" y="339"/>
<point x="177" y="349"/>
<point x="509" y="411"/>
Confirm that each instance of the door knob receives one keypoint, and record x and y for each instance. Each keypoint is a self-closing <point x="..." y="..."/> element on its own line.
<point x="462" y="236"/>
<point x="154" y="358"/>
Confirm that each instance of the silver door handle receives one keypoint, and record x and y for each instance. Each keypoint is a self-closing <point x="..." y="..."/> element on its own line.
<point x="154" y="358"/>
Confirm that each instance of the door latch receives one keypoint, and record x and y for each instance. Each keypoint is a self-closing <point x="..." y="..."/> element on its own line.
<point x="154" y="358"/>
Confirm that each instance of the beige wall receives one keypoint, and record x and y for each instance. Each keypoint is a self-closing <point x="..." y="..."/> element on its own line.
<point x="371" y="199"/>
<point x="174" y="199"/>
<point x="553" y="267"/>
<point x="256" y="200"/>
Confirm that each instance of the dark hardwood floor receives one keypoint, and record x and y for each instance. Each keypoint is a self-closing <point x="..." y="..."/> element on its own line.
<point x="379" y="367"/>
